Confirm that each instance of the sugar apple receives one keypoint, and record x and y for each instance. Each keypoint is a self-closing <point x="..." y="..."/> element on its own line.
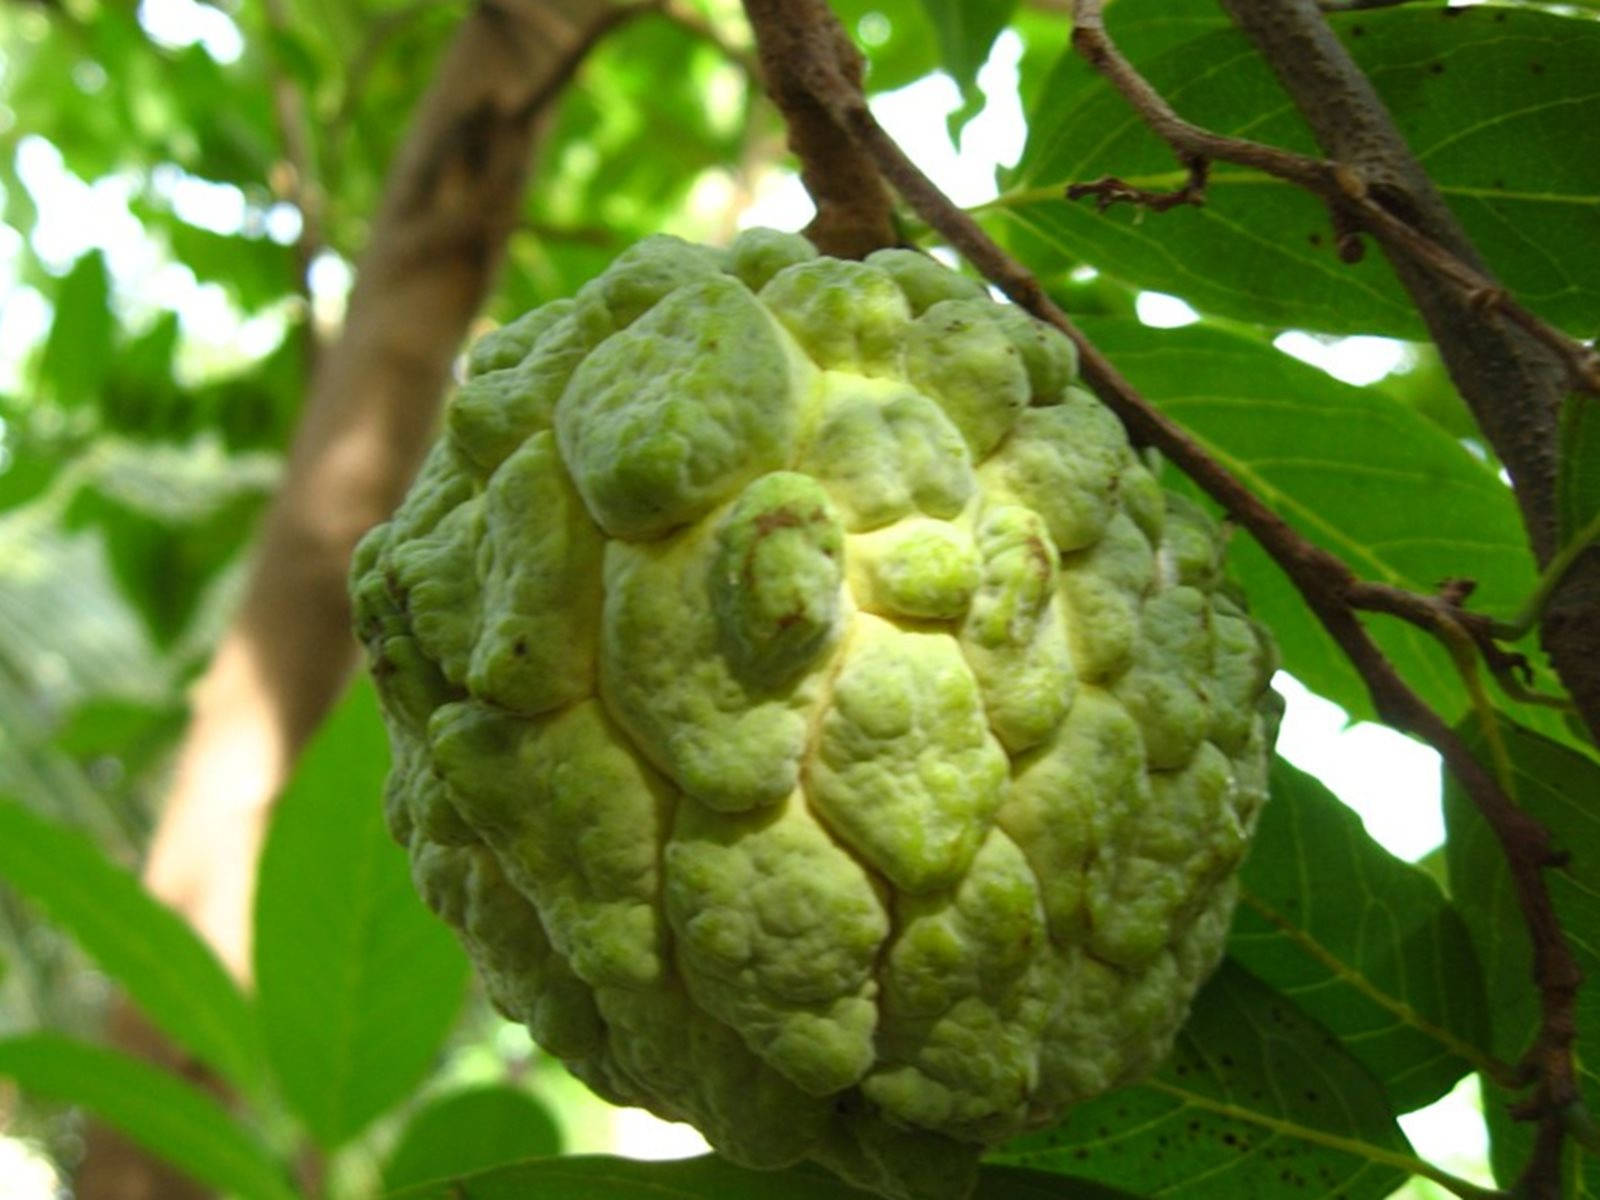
<point x="813" y="717"/>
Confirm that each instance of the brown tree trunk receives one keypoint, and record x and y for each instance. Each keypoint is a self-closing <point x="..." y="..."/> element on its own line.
<point x="450" y="203"/>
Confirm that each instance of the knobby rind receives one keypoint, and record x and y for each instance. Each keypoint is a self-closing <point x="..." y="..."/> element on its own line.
<point x="810" y="712"/>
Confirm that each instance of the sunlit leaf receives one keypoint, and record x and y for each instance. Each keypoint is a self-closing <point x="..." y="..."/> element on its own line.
<point x="358" y="983"/>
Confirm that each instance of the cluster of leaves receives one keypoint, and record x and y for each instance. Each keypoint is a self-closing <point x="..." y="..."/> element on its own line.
<point x="1358" y="987"/>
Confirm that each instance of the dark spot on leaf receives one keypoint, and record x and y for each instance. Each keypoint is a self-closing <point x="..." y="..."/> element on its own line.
<point x="1315" y="239"/>
<point x="520" y="647"/>
<point x="1311" y="1096"/>
<point x="1230" y="1139"/>
<point x="1227" y="1060"/>
<point x="1536" y="67"/>
<point x="1080" y="1153"/>
<point x="1436" y="68"/>
<point x="1357" y="31"/>
<point x="1499" y="183"/>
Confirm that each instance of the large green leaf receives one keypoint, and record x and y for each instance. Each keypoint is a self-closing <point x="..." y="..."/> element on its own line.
<point x="1557" y="786"/>
<point x="1473" y="93"/>
<point x="358" y="984"/>
<point x="1256" y="1100"/>
<point x="471" y="1130"/>
<point x="597" y="1177"/>
<point x="168" y="1117"/>
<point x="1365" y="943"/>
<point x="1352" y="469"/>
<point x="147" y="948"/>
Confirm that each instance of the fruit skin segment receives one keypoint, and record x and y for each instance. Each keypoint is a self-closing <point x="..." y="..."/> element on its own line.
<point x="812" y="716"/>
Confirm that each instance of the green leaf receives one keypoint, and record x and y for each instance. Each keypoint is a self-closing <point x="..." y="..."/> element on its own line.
<point x="140" y="391"/>
<point x="896" y="36"/>
<point x="358" y="984"/>
<point x="1350" y="468"/>
<point x="1578" y="486"/>
<point x="146" y="947"/>
<point x="1257" y="1100"/>
<point x="599" y="1177"/>
<point x="77" y="352"/>
<point x="469" y="1131"/>
<point x="256" y="271"/>
<point x="163" y="567"/>
<point x="966" y="30"/>
<point x="1556" y="786"/>
<point x="168" y="1117"/>
<point x="1363" y="942"/>
<point x="1471" y="93"/>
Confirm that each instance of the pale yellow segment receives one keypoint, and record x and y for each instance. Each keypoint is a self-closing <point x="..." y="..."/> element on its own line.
<point x="966" y="997"/>
<point x="731" y="739"/>
<point x="778" y="931"/>
<point x="1014" y="635"/>
<point x="905" y="769"/>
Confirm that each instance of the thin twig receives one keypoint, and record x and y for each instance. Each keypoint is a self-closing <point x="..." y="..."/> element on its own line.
<point x="1324" y="581"/>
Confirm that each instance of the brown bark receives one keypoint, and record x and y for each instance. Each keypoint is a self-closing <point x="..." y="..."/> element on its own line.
<point x="450" y="203"/>
<point x="800" y="46"/>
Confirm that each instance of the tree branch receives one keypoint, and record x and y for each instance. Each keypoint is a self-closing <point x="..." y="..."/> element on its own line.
<point x="451" y="201"/>
<point x="1326" y="583"/>
<point x="803" y="51"/>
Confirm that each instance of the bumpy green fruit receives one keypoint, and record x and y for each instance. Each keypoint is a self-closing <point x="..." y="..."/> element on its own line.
<point x="810" y="712"/>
